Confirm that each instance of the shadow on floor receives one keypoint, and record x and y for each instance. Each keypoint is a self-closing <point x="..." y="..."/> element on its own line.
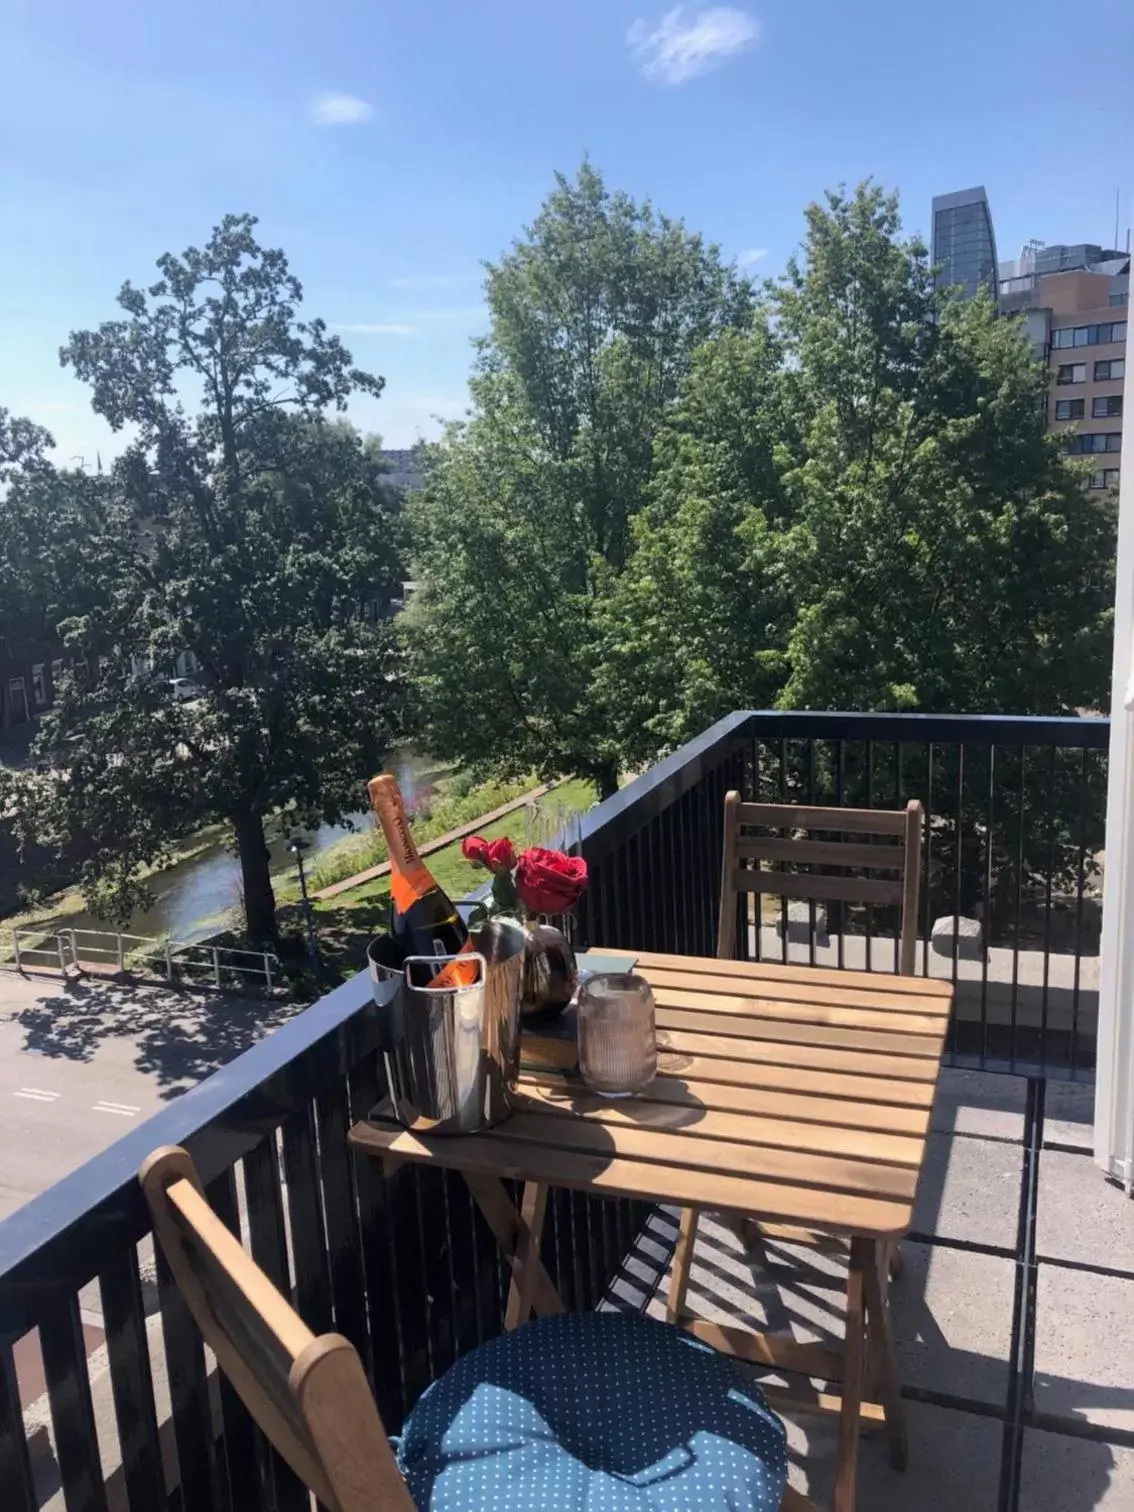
<point x="954" y="1309"/>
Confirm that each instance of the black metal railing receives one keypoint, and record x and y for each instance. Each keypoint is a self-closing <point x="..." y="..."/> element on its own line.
<point x="404" y="1266"/>
<point x="1015" y="813"/>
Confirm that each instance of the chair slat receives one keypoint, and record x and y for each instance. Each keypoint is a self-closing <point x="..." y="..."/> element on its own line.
<point x="822" y="853"/>
<point x="804" y="885"/>
<point x="846" y="821"/>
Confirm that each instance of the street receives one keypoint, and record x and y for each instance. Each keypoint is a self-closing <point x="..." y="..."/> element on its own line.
<point x="81" y="1061"/>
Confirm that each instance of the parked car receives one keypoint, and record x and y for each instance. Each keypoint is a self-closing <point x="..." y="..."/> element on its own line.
<point x="184" y="688"/>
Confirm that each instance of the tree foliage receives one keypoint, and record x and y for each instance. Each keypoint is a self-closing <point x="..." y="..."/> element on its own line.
<point x="861" y="511"/>
<point x="251" y="531"/>
<point x="595" y="315"/>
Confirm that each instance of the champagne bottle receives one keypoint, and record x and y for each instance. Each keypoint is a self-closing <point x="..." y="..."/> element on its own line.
<point x="423" y="921"/>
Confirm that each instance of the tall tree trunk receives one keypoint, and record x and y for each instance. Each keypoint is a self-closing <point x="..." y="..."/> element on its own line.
<point x="256" y="878"/>
<point x="606" y="779"/>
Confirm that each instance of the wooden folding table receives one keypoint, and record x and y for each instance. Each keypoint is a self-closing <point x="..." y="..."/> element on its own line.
<point x="791" y="1097"/>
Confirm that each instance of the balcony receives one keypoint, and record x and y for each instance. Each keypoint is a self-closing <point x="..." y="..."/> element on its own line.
<point x="1014" y="1314"/>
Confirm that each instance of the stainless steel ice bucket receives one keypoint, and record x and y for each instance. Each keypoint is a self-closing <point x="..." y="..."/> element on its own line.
<point x="452" y="1053"/>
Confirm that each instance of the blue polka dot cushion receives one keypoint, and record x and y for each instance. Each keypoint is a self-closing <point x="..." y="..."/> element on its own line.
<point x="594" y="1412"/>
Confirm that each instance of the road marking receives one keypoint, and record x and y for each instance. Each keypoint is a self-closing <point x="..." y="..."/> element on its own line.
<point x="124" y="1110"/>
<point x="36" y="1094"/>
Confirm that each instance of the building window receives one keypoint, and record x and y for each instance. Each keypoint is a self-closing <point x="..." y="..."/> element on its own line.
<point x="1097" y="441"/>
<point x="1121" y="298"/>
<point x="39" y="686"/>
<point x="17" y="701"/>
<point x="1072" y="372"/>
<point x="56" y="675"/>
<point x="1092" y="335"/>
<point x="1108" y="478"/>
<point x="1111" y="367"/>
<point x="1106" y="407"/>
<point x="1068" y="409"/>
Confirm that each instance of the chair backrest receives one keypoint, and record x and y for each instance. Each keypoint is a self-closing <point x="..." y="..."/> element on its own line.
<point x="892" y="845"/>
<point x="308" y="1394"/>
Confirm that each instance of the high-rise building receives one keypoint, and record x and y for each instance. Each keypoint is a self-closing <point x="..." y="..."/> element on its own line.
<point x="964" y="245"/>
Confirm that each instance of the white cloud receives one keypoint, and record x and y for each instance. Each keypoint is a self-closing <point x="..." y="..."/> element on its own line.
<point x="685" y="43"/>
<point x="751" y="255"/>
<point x="338" y="110"/>
<point x="366" y="328"/>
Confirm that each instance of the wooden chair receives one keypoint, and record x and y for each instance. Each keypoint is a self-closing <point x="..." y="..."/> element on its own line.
<point x="882" y="826"/>
<point x="308" y="1394"/>
<point x="892" y="845"/>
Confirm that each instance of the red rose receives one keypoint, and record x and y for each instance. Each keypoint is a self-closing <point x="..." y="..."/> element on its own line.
<point x="475" y="848"/>
<point x="549" y="882"/>
<point x="501" y="856"/>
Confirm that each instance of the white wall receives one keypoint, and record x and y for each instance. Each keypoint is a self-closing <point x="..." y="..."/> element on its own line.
<point x="1114" y="1094"/>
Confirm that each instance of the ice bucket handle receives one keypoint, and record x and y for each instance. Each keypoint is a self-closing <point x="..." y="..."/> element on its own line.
<point x="431" y="965"/>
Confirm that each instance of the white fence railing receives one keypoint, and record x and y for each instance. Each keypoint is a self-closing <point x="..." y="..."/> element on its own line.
<point x="64" y="949"/>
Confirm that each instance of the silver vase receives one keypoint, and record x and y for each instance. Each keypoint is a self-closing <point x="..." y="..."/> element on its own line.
<point x="550" y="973"/>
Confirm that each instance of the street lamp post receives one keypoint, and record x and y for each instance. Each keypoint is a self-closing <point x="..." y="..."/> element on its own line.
<point x="297" y="845"/>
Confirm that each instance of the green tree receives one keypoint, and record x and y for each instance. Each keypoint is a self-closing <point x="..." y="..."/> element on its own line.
<point x="595" y="316"/>
<point x="252" y="533"/>
<point x="697" y="625"/>
<point x="28" y="488"/>
<point x="863" y="512"/>
<point x="944" y="555"/>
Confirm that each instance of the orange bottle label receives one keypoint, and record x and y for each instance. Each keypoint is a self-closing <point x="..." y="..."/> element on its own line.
<point x="456" y="973"/>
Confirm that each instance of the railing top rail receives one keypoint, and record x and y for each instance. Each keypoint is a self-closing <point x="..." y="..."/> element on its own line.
<point x="1075" y="731"/>
<point x="228" y="950"/>
<point x="107" y="934"/>
<point x="60" y="1239"/>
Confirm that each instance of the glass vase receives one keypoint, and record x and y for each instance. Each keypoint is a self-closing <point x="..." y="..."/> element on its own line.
<point x="618" y="1052"/>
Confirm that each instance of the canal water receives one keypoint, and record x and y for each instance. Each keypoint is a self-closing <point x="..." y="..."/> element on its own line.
<point x="189" y="896"/>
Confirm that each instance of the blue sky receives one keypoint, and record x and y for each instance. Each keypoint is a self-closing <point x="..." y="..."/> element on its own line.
<point x="391" y="148"/>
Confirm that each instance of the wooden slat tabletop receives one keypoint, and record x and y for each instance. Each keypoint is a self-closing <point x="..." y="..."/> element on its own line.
<point x="784" y="1092"/>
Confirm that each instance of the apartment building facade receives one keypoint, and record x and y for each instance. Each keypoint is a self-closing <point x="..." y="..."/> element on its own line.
<point x="1076" y="318"/>
<point x="1086" y="347"/>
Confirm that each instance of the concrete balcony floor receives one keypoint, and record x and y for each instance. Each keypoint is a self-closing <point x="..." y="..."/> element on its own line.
<point x="953" y="1312"/>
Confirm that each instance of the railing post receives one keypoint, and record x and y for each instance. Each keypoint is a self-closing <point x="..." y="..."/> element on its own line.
<point x="216" y="967"/>
<point x="120" y="953"/>
<point x="74" y="948"/>
<point x="16" y="949"/>
<point x="60" y="954"/>
<point x="267" y="971"/>
<point x="169" y="960"/>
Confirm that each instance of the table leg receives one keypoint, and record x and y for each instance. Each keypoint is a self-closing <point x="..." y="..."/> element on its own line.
<point x="514" y="1234"/>
<point x="533" y="1208"/>
<point x="854" y="1358"/>
<point x="682" y="1264"/>
<point x="880" y="1331"/>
